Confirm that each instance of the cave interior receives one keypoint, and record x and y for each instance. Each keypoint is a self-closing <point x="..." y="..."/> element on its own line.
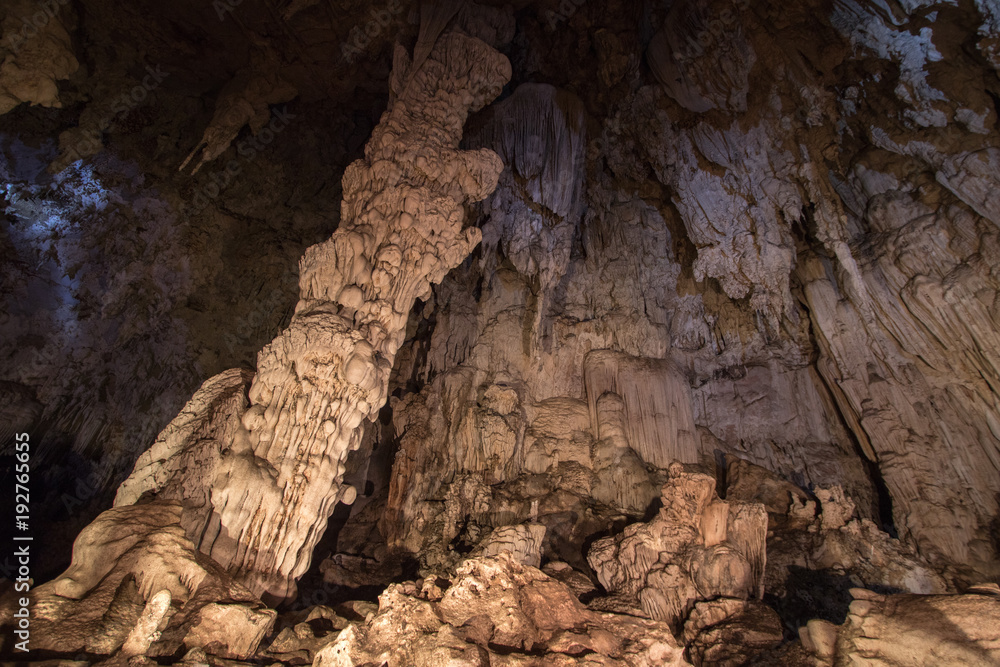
<point x="541" y="332"/>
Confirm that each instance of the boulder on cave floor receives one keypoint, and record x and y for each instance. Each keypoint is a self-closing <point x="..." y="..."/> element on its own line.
<point x="911" y="631"/>
<point x="698" y="547"/>
<point x="497" y="611"/>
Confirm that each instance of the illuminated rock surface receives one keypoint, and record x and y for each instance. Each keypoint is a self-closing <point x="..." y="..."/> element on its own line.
<point x="562" y="333"/>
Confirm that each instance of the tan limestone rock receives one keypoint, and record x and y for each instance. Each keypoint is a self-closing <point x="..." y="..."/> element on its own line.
<point x="697" y="548"/>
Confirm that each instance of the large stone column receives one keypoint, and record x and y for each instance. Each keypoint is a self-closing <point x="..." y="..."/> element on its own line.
<point x="258" y="480"/>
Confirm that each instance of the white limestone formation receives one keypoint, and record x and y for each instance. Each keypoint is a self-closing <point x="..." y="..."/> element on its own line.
<point x="248" y="485"/>
<point x="274" y="478"/>
<point x="523" y="543"/>
<point x="497" y="611"/>
<point x="894" y="276"/>
<point x="758" y="238"/>
<point x="139" y="587"/>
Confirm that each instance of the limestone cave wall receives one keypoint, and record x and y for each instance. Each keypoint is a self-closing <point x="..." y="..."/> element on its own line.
<point x="678" y="317"/>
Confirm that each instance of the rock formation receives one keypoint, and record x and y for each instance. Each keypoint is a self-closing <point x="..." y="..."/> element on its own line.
<point x="655" y="401"/>
<point x="249" y="484"/>
<point x="138" y="587"/>
<point x="244" y="101"/>
<point x="903" y="630"/>
<point x="258" y="507"/>
<point x="497" y="611"/>
<point x="697" y="548"/>
<point x="36" y="52"/>
<point x="715" y="385"/>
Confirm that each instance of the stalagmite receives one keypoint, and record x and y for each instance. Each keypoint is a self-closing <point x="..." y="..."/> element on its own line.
<point x="719" y="384"/>
<point x="697" y="548"/>
<point x="274" y="482"/>
<point x="138" y="585"/>
<point x="146" y="631"/>
<point x="252" y="483"/>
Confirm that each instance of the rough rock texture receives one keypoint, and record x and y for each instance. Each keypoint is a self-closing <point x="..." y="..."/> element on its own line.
<point x="655" y="400"/>
<point x="124" y="286"/>
<point x="860" y="217"/>
<point x="818" y="549"/>
<point x="523" y="543"/>
<point x="249" y="484"/>
<point x="902" y="630"/>
<point x="553" y="472"/>
<point x="730" y="632"/>
<point x="36" y="52"/>
<point x="497" y="612"/>
<point x="301" y="635"/>
<point x="822" y="531"/>
<point x="139" y="587"/>
<point x="697" y="548"/>
<point x="758" y="238"/>
<point x="540" y="133"/>
<point x="786" y="192"/>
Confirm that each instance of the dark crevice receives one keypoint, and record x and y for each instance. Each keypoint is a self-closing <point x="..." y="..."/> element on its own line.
<point x="809" y="594"/>
<point x="882" y="500"/>
<point x="805" y="232"/>
<point x="882" y="496"/>
<point x="721" y="473"/>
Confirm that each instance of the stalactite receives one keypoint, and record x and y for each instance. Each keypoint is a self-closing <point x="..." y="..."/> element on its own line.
<point x="702" y="57"/>
<point x="244" y="101"/>
<point x="659" y="421"/>
<point x="540" y="133"/>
